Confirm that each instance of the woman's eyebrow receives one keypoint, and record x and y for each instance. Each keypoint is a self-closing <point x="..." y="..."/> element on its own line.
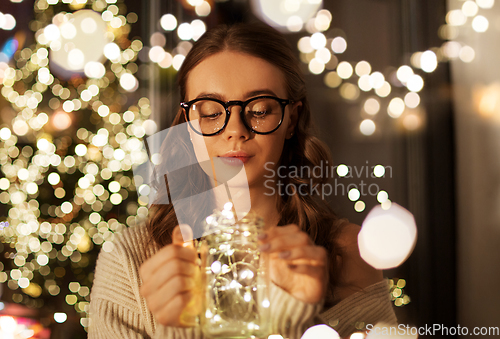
<point x="210" y="95"/>
<point x="247" y="95"/>
<point x="260" y="92"/>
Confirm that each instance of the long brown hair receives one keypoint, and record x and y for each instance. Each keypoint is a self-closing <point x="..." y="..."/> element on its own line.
<point x="302" y="150"/>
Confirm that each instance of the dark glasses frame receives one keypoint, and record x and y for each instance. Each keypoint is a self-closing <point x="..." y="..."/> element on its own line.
<point x="283" y="102"/>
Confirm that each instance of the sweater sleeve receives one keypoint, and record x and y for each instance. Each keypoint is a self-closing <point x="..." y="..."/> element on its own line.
<point x="370" y="306"/>
<point x="291" y="317"/>
<point x="114" y="308"/>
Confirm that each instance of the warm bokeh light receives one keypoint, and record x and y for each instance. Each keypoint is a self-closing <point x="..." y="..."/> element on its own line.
<point x="428" y="61"/>
<point x="379" y="171"/>
<point x="415" y="83"/>
<point x="365" y="83"/>
<point x="480" y="24"/>
<point x="415" y="59"/>
<point x="94" y="69"/>
<point x="412" y="121"/>
<point x="323" y="55"/>
<point x="323" y="20"/>
<point x="367" y="127"/>
<point x="320" y="332"/>
<point x="486" y="100"/>
<point x="353" y="194"/>
<point x="456" y="17"/>
<point x="384" y="91"/>
<point x="76" y="43"/>
<point x="467" y="54"/>
<point x="359" y="206"/>
<point x="61" y="120"/>
<point x="363" y="68"/>
<point x="294" y="23"/>
<point x="344" y="70"/>
<point x="396" y="108"/>
<point x="486" y="4"/>
<point x="404" y="73"/>
<point x="168" y="22"/>
<point x="470" y="8"/>
<point x="318" y="40"/>
<point x="203" y="9"/>
<point x="8" y="325"/>
<point x="157" y="54"/>
<point x="316" y="66"/>
<point x="412" y="100"/>
<point x="8" y="23"/>
<point x="112" y="51"/>
<point x="349" y="91"/>
<point x="304" y="45"/>
<point x="451" y="49"/>
<point x="382" y="196"/>
<point x="60" y="317"/>
<point x="332" y="79"/>
<point x="387" y="237"/>
<point x="277" y="13"/>
<point x="342" y="170"/>
<point x="377" y="80"/>
<point x="129" y="82"/>
<point x="372" y="106"/>
<point x="339" y="45"/>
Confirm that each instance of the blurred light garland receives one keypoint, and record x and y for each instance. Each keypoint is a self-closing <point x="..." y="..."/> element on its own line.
<point x="320" y="50"/>
<point x="7" y="22"/>
<point x="89" y="172"/>
<point x="185" y="33"/>
<point x="398" y="296"/>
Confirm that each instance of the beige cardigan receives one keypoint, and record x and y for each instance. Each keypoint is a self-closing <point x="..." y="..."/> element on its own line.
<point x="117" y="310"/>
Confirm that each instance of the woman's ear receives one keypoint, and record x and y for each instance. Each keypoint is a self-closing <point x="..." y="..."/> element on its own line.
<point x="294" y="117"/>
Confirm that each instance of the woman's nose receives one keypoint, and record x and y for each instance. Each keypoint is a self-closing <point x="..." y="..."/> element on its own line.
<point x="235" y="127"/>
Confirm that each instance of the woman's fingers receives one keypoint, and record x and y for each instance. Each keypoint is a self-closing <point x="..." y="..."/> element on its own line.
<point x="183" y="235"/>
<point x="304" y="269"/>
<point x="282" y="230"/>
<point x="162" y="257"/>
<point x="294" y="246"/>
<point x="166" y="293"/>
<point x="174" y="309"/>
<point x="304" y="255"/>
<point x="169" y="279"/>
<point x="171" y="269"/>
<point x="279" y="240"/>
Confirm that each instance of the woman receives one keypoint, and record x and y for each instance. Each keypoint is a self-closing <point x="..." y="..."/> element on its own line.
<point x="144" y="286"/>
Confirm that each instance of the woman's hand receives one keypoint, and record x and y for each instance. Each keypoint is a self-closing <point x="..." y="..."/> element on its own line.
<point x="170" y="281"/>
<point x="297" y="265"/>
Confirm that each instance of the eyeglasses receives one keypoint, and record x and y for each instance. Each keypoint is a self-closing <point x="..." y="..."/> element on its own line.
<point x="261" y="115"/>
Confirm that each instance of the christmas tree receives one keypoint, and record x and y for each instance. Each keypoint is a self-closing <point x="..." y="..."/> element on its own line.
<point x="68" y="142"/>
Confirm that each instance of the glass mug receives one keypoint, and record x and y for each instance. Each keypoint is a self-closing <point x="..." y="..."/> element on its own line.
<point x="234" y="278"/>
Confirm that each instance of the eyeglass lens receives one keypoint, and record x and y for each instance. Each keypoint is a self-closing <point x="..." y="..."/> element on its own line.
<point x="262" y="115"/>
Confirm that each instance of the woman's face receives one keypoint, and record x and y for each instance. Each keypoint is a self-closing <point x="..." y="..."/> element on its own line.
<point x="236" y="76"/>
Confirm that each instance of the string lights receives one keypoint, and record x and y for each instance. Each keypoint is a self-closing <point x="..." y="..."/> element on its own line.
<point x="352" y="80"/>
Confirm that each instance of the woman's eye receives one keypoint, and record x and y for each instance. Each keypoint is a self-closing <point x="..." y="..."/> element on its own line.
<point x="211" y="116"/>
<point x="258" y="114"/>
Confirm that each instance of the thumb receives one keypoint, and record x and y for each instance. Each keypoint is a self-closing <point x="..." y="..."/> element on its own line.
<point x="183" y="235"/>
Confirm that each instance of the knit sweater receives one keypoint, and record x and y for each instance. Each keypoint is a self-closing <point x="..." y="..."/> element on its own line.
<point x="118" y="311"/>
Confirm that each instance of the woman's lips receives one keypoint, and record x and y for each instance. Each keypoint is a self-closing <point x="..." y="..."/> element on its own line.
<point x="235" y="157"/>
<point x="235" y="161"/>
